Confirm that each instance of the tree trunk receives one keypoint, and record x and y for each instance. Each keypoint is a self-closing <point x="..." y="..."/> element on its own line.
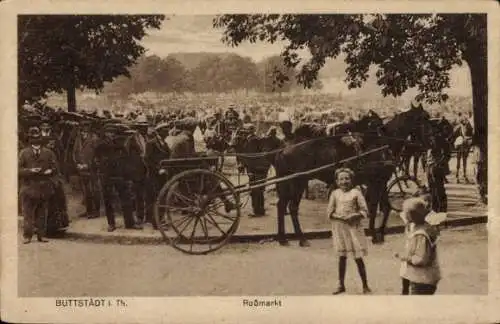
<point x="71" y="94"/>
<point x="476" y="58"/>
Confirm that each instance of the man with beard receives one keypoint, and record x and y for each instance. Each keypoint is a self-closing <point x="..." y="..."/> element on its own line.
<point x="37" y="165"/>
<point x="111" y="159"/>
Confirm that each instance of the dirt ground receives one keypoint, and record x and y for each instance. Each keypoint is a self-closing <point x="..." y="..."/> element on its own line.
<point x="63" y="268"/>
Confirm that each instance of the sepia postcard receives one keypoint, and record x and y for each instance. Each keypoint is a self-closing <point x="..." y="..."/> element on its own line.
<point x="249" y="161"/>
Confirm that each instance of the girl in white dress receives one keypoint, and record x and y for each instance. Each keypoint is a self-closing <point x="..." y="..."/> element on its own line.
<point x="346" y="208"/>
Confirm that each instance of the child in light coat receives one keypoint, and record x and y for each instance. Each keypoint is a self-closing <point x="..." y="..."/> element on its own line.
<point x="420" y="267"/>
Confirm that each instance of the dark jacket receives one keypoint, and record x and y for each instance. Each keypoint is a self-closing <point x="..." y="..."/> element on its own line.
<point x="111" y="159"/>
<point x="156" y="151"/>
<point x="37" y="185"/>
<point x="257" y="164"/>
<point x="84" y="151"/>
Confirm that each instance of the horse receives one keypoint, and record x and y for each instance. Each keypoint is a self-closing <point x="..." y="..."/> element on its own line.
<point x="313" y="149"/>
<point x="415" y="152"/>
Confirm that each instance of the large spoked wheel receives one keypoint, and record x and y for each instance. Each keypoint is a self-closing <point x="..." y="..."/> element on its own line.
<point x="197" y="211"/>
<point x="400" y="189"/>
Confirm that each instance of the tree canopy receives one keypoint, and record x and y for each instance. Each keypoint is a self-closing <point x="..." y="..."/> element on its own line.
<point x="408" y="50"/>
<point x="67" y="52"/>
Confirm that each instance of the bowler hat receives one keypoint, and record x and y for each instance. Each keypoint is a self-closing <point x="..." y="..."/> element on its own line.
<point x="34" y="133"/>
<point x="249" y="127"/>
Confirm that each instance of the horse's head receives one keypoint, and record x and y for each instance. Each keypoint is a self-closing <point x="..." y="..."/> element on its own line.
<point x="414" y="122"/>
<point x="370" y="122"/>
<point x="419" y="123"/>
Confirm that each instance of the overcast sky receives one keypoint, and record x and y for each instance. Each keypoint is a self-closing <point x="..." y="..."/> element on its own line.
<point x="196" y="34"/>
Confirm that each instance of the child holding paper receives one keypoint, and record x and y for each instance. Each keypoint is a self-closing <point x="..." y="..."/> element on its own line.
<point x="346" y="208"/>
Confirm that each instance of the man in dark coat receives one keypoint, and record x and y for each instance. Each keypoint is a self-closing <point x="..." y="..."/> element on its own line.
<point x="257" y="169"/>
<point x="156" y="151"/>
<point x="137" y="155"/>
<point x="111" y="159"/>
<point x="84" y="153"/>
<point x="287" y="129"/>
<point x="37" y="165"/>
<point x="436" y="168"/>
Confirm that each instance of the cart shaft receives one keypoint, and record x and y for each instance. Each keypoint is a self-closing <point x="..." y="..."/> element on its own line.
<point x="242" y="189"/>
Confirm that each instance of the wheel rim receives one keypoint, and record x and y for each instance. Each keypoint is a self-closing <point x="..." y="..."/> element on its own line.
<point x="195" y="202"/>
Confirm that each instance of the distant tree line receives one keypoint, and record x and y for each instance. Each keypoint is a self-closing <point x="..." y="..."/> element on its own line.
<point x="211" y="73"/>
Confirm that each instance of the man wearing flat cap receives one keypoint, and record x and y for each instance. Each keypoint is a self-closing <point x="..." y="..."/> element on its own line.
<point x="36" y="165"/>
<point x="83" y="156"/>
<point x="110" y="159"/>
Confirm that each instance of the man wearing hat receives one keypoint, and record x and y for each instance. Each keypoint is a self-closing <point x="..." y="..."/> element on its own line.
<point x="83" y="156"/>
<point x="257" y="168"/>
<point x="232" y="119"/>
<point x="246" y="117"/>
<point x="286" y="128"/>
<point x="156" y="151"/>
<point x="111" y="161"/>
<point x="436" y="160"/>
<point x="272" y="138"/>
<point x="182" y="145"/>
<point x="139" y="176"/>
<point x="37" y="165"/>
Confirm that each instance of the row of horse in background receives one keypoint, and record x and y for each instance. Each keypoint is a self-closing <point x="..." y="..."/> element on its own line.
<point x="312" y="147"/>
